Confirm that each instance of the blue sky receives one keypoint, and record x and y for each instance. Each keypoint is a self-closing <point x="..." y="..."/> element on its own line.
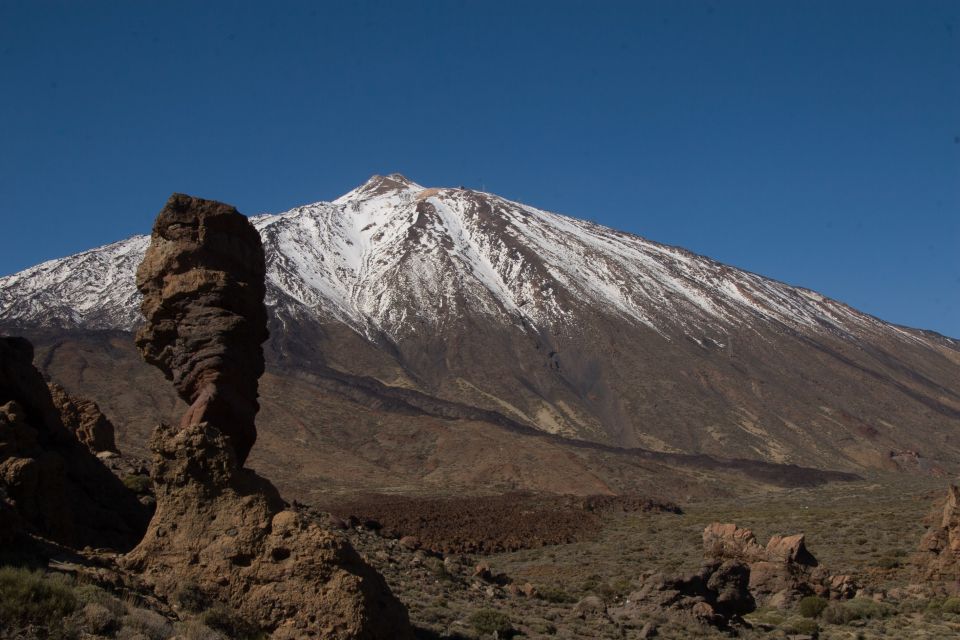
<point x="814" y="142"/>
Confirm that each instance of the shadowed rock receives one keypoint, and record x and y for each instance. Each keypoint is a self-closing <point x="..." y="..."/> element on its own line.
<point x="202" y="281"/>
<point x="220" y="527"/>
<point x="50" y="483"/>
<point x="85" y="420"/>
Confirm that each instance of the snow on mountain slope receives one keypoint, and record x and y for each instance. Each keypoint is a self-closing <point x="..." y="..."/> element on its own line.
<point x="391" y="250"/>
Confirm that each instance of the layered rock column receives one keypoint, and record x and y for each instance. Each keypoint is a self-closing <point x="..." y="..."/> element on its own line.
<point x="220" y="529"/>
<point x="202" y="281"/>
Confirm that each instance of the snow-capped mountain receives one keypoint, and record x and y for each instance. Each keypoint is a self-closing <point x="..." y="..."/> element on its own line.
<point x="557" y="324"/>
<point x="391" y="250"/>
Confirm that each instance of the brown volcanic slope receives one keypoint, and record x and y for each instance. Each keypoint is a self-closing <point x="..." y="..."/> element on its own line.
<point x="422" y="338"/>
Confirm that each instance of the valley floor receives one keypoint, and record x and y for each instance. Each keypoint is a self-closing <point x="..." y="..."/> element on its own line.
<point x="868" y="529"/>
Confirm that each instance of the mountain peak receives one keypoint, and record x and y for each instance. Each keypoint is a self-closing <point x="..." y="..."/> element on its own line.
<point x="378" y="185"/>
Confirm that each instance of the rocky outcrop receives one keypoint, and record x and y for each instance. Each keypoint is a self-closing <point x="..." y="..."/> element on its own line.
<point x="202" y="281"/>
<point x="226" y="531"/>
<point x="780" y="573"/>
<point x="219" y="528"/>
<point x="49" y="482"/>
<point x="938" y="557"/>
<point x="737" y="576"/>
<point x="84" y="419"/>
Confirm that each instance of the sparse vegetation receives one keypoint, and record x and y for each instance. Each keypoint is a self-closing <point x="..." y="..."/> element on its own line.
<point x="137" y="483"/>
<point x="32" y="598"/>
<point x="812" y="606"/>
<point x="488" y="621"/>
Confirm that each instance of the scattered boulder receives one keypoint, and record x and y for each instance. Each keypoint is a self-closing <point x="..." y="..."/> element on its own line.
<point x="218" y="525"/>
<point x="938" y="557"/>
<point x="50" y="482"/>
<point x="84" y="420"/>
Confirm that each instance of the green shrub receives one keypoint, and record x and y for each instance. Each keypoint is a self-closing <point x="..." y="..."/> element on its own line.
<point x="866" y="609"/>
<point x="31" y="598"/>
<point x="836" y="613"/>
<point x="488" y="621"/>
<point x="801" y="626"/>
<point x="555" y="595"/>
<point x="137" y="483"/>
<point x="812" y="606"/>
<point x="91" y="594"/>
<point x="951" y="605"/>
<point x="856" y="609"/>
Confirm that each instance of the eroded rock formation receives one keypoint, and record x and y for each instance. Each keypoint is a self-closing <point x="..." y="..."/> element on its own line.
<point x="220" y="528"/>
<point x="939" y="553"/>
<point x="84" y="419"/>
<point x="50" y="483"/>
<point x="737" y="576"/>
<point x="202" y="281"/>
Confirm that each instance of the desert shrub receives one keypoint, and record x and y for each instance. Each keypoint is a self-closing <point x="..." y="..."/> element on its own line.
<point x="92" y="594"/>
<point x="555" y="595"/>
<point x="836" y="613"/>
<point x="137" y="483"/>
<point x="221" y="618"/>
<point x="803" y="626"/>
<point x="30" y="597"/>
<point x="191" y="598"/>
<point x="488" y="621"/>
<point x="98" y="619"/>
<point x="951" y="605"/>
<point x="196" y="630"/>
<point x="812" y="606"/>
<point x="866" y="609"/>
<point x="147" y="623"/>
<point x="888" y="562"/>
<point x="856" y="609"/>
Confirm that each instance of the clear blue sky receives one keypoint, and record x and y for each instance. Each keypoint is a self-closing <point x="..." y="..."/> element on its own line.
<point x="814" y="142"/>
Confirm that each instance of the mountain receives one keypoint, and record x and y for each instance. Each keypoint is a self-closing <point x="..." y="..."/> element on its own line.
<point x="401" y="305"/>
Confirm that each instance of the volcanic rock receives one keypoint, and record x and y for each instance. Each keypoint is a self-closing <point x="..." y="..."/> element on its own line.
<point x="226" y="530"/>
<point x="84" y="419"/>
<point x="49" y="481"/>
<point x="779" y="574"/>
<point x="219" y="527"/>
<point x="939" y="551"/>
<point x="737" y="576"/>
<point x="715" y="595"/>
<point x="202" y="281"/>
